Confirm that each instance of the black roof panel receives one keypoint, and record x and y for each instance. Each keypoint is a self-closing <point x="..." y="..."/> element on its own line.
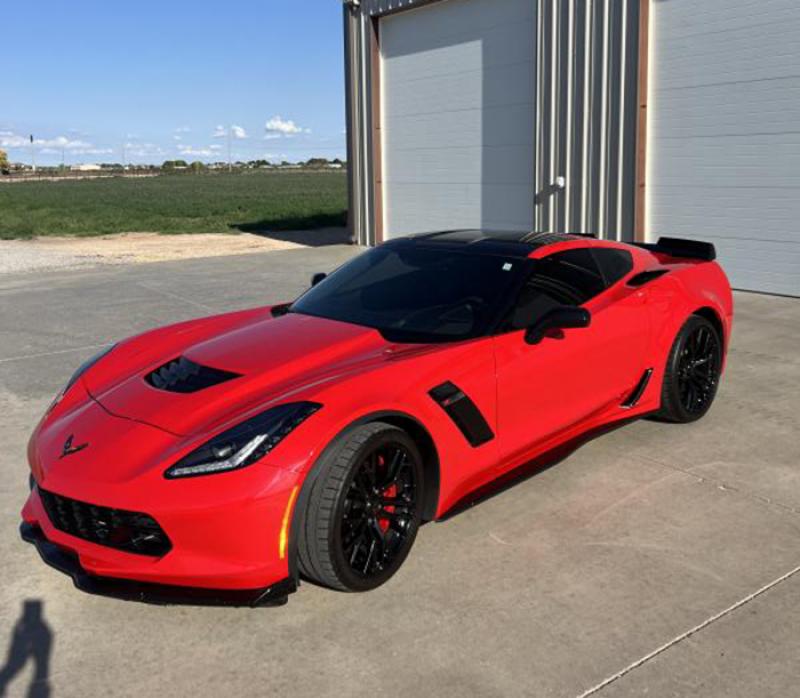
<point x="515" y="242"/>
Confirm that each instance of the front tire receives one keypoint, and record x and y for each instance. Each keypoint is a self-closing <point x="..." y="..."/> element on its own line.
<point x="364" y="509"/>
<point x="693" y="371"/>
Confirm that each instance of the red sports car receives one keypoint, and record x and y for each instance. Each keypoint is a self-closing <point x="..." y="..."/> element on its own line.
<point x="222" y="459"/>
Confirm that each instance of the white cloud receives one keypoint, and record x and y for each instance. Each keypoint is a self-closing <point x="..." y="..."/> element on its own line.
<point x="143" y="150"/>
<point x="277" y="126"/>
<point x="183" y="129"/>
<point x="9" y="139"/>
<point x="236" y="132"/>
<point x="49" y="150"/>
<point x="197" y="152"/>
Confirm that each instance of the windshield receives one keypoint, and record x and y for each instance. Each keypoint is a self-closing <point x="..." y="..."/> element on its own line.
<point x="416" y="294"/>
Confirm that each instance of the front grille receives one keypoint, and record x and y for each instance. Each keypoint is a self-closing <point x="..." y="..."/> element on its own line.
<point x="183" y="375"/>
<point x="124" y="530"/>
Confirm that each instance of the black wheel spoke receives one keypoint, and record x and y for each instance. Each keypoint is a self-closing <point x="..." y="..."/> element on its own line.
<point x="698" y="369"/>
<point x="378" y="510"/>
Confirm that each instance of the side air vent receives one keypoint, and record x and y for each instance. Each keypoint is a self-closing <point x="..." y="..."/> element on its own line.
<point x="646" y="277"/>
<point x="638" y="391"/>
<point x="183" y="375"/>
<point x="463" y="412"/>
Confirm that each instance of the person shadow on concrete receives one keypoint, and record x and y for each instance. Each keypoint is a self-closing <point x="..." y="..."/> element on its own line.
<point x="32" y="639"/>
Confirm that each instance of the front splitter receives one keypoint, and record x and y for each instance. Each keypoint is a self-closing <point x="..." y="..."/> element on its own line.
<point x="148" y="592"/>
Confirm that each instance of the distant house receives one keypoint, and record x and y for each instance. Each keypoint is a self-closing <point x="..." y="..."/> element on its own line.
<point x="88" y="167"/>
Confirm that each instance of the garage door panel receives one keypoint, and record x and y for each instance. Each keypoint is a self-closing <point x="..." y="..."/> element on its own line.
<point x="450" y="205"/>
<point x="494" y="46"/>
<point x="493" y="87"/>
<point x="451" y="93"/>
<point x="690" y="17"/>
<point x="507" y="206"/>
<point x="446" y="205"/>
<point x="724" y="135"/>
<point x="756" y="160"/>
<point x="428" y="166"/>
<point x="736" y="108"/>
<point x="747" y="53"/>
<point x="424" y="29"/>
<point x="457" y="115"/>
<point x="499" y="165"/>
<point x="491" y="127"/>
<point x="743" y="212"/>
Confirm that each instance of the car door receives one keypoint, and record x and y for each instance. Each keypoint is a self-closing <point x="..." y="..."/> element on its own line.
<point x="547" y="390"/>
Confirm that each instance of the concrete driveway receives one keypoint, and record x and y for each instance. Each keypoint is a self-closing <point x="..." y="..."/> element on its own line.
<point x="656" y="560"/>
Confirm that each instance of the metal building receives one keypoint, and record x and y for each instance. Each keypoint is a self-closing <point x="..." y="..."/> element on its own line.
<point x="628" y="119"/>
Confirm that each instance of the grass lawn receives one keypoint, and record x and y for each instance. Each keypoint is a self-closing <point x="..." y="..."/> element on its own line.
<point x="179" y="203"/>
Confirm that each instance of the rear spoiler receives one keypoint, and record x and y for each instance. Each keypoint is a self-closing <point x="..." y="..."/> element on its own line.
<point x="679" y="247"/>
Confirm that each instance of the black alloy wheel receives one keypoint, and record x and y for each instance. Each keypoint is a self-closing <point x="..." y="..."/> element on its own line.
<point x="363" y="509"/>
<point x="698" y="370"/>
<point x="378" y="510"/>
<point x="693" y="370"/>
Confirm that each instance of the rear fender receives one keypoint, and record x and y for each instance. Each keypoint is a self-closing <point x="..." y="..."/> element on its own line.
<point x="672" y="298"/>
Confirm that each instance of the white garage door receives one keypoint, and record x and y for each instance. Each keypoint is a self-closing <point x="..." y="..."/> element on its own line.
<point x="724" y="144"/>
<point x="457" y="116"/>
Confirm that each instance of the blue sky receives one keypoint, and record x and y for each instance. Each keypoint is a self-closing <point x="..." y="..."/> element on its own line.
<point x="171" y="78"/>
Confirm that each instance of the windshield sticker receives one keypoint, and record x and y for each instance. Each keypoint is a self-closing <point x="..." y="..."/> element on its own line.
<point x="507" y="266"/>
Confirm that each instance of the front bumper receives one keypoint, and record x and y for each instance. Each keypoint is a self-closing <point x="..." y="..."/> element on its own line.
<point x="67" y="562"/>
<point x="226" y="542"/>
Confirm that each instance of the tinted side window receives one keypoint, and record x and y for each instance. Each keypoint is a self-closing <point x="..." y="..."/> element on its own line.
<point x="614" y="264"/>
<point x="570" y="277"/>
<point x="567" y="278"/>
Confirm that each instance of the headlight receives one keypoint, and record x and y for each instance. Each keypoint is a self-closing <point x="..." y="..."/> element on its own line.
<point x="244" y="444"/>
<point x="85" y="366"/>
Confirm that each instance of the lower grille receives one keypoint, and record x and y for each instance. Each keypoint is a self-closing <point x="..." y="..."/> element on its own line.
<point x="124" y="530"/>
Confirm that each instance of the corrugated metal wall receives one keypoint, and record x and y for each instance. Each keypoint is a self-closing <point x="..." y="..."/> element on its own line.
<point x="587" y="104"/>
<point x="586" y="87"/>
<point x="361" y="219"/>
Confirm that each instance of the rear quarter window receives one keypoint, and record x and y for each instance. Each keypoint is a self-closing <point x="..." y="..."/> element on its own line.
<point x="613" y="263"/>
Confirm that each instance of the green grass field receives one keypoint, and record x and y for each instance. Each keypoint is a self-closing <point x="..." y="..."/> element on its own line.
<point x="180" y="203"/>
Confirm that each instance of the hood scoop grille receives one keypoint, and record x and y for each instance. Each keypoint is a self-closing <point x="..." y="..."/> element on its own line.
<point x="183" y="375"/>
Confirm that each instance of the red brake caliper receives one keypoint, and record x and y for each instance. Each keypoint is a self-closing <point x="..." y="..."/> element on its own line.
<point x="390" y="493"/>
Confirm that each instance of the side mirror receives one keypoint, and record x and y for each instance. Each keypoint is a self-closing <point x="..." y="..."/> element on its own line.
<point x="319" y="276"/>
<point x="561" y="318"/>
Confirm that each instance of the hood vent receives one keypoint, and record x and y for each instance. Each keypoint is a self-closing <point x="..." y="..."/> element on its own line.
<point x="183" y="375"/>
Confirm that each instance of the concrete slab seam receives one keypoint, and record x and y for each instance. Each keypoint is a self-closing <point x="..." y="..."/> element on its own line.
<point x="54" y="353"/>
<point x="697" y="628"/>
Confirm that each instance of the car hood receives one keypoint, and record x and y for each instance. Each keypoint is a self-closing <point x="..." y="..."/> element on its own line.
<point x="274" y="359"/>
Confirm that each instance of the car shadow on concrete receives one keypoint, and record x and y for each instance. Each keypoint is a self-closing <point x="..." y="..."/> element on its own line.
<point x="315" y="231"/>
<point x="31" y="639"/>
<point x="532" y="467"/>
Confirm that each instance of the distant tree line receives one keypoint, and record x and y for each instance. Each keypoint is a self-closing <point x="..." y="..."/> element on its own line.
<point x="197" y="166"/>
<point x="176" y="166"/>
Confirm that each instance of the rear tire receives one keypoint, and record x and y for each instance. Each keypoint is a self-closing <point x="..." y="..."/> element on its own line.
<point x="693" y="371"/>
<point x="364" y="509"/>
